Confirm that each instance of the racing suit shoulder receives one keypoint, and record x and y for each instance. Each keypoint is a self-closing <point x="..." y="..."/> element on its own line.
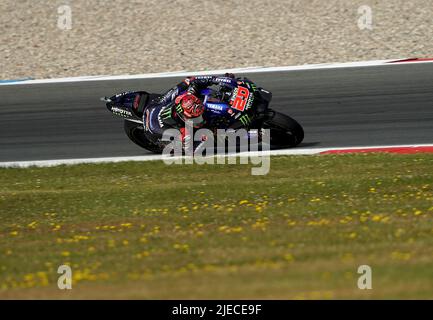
<point x="170" y="95"/>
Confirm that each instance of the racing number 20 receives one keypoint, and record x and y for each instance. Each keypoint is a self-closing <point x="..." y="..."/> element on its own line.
<point x="241" y="99"/>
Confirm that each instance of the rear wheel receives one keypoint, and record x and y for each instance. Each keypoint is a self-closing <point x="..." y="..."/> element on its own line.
<point x="284" y="130"/>
<point x="135" y="133"/>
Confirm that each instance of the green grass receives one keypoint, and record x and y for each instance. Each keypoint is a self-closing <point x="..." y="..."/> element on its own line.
<point x="148" y="230"/>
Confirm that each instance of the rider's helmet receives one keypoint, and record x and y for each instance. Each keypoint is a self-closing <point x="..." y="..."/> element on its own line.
<point x="191" y="106"/>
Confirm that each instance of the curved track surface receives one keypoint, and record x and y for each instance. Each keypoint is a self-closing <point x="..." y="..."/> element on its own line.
<point x="367" y="106"/>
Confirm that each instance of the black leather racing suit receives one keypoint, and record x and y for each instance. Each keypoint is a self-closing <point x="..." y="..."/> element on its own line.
<point x="163" y="113"/>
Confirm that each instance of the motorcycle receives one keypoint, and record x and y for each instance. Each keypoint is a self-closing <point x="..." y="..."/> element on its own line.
<point x="223" y="106"/>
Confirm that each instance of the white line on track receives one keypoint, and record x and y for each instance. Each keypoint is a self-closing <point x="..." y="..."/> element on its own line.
<point x="222" y="71"/>
<point x="294" y="151"/>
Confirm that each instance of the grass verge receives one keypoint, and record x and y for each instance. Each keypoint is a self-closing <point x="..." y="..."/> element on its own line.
<point x="148" y="230"/>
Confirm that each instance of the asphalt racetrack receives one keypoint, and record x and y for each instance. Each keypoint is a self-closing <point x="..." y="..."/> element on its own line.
<point x="366" y="106"/>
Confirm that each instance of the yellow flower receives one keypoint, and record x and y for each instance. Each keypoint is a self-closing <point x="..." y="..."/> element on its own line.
<point x="288" y="257"/>
<point x="142" y="255"/>
<point x="78" y="238"/>
<point x="377" y="217"/>
<point x="181" y="247"/>
<point x="345" y="219"/>
<point x="143" y="240"/>
<point x="321" y="222"/>
<point x="126" y="225"/>
<point x="32" y="225"/>
<point x="65" y="253"/>
<point x="291" y="223"/>
<point x="363" y="218"/>
<point x="43" y="278"/>
<point x="13" y="233"/>
<point x="236" y="229"/>
<point x="352" y="235"/>
<point x="260" y="224"/>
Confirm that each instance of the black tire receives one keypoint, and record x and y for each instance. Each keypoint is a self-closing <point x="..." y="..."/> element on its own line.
<point x="135" y="133"/>
<point x="285" y="131"/>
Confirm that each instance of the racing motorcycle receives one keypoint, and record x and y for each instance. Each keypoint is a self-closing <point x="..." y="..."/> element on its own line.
<point x="223" y="106"/>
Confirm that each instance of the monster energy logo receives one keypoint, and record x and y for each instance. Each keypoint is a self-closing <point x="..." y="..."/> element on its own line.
<point x="245" y="120"/>
<point x="166" y="113"/>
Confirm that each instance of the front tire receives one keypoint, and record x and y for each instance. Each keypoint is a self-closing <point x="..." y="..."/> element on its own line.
<point x="135" y="133"/>
<point x="285" y="131"/>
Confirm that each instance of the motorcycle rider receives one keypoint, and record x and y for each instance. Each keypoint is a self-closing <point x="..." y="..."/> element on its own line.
<point x="182" y="103"/>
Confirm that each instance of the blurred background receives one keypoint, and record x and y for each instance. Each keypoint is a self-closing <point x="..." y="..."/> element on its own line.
<point x="39" y="40"/>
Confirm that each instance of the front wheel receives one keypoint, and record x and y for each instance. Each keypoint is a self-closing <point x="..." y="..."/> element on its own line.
<point x="135" y="133"/>
<point x="284" y="131"/>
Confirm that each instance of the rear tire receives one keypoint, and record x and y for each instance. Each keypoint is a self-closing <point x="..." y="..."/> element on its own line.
<point x="285" y="131"/>
<point x="135" y="133"/>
